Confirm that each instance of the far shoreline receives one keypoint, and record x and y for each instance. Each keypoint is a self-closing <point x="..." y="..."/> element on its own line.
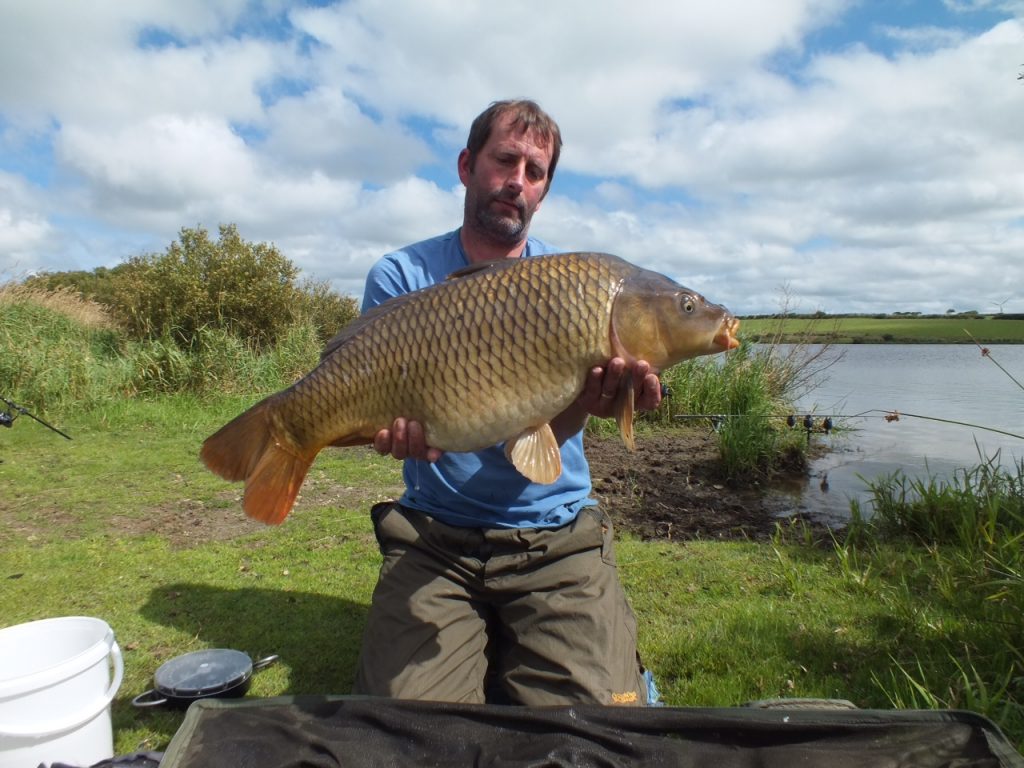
<point x="897" y="328"/>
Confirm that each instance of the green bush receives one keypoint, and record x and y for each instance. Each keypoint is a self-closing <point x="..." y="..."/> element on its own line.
<point x="249" y="290"/>
<point x="59" y="352"/>
<point x="244" y="288"/>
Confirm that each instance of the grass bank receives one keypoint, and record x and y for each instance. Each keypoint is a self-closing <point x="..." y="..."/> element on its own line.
<point x="60" y="353"/>
<point x="892" y="329"/>
<point x="124" y="524"/>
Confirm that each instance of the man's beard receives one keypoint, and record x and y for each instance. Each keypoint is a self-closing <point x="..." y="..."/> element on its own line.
<point x="507" y="229"/>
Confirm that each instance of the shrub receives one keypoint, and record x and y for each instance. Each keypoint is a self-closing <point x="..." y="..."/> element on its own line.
<point x="243" y="288"/>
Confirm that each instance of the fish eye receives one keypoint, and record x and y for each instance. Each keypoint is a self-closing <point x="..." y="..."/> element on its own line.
<point x="687" y="304"/>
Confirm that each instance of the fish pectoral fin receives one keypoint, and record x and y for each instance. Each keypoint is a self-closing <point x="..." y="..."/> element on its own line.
<point x="623" y="410"/>
<point x="534" y="452"/>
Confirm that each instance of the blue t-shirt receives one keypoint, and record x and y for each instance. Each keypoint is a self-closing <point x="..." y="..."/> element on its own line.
<point x="481" y="489"/>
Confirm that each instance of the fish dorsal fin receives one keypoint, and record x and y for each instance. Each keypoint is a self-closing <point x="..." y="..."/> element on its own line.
<point x="534" y="452"/>
<point x="623" y="409"/>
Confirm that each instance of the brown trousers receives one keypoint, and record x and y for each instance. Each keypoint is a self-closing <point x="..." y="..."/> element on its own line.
<point x="524" y="616"/>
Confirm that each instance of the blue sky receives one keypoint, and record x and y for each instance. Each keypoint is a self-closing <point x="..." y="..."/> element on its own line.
<point x="841" y="156"/>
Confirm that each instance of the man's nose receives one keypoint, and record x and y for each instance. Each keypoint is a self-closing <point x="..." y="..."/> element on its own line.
<point x="516" y="178"/>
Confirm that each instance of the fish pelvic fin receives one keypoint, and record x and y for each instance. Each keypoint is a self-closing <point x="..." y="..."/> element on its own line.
<point x="623" y="410"/>
<point x="246" y="448"/>
<point x="534" y="452"/>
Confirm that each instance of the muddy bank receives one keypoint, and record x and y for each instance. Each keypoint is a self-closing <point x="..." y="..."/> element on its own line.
<point x="673" y="488"/>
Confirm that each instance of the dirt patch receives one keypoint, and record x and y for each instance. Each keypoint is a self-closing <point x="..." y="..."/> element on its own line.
<point x="672" y="488"/>
<point x="188" y="522"/>
<point x="184" y="522"/>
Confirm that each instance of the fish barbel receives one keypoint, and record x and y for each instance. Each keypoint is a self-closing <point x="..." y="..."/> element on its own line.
<point x="491" y="355"/>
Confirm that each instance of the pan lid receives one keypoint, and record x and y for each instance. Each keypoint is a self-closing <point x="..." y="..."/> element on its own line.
<point x="203" y="673"/>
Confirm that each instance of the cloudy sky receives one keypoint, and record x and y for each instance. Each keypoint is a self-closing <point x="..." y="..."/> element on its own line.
<point x="855" y="156"/>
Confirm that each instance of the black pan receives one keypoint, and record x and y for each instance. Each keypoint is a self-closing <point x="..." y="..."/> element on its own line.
<point x="213" y="673"/>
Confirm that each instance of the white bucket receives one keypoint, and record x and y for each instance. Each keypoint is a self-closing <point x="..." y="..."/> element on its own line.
<point x="55" y="692"/>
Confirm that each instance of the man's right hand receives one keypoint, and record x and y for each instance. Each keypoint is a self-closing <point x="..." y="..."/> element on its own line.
<point x="405" y="440"/>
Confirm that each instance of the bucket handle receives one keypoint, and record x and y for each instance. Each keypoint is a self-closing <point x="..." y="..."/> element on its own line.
<point x="81" y="717"/>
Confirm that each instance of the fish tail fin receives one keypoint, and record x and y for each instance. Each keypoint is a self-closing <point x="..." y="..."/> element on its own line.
<point x="273" y="469"/>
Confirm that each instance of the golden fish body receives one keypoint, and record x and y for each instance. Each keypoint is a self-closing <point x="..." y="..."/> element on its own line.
<point x="491" y="355"/>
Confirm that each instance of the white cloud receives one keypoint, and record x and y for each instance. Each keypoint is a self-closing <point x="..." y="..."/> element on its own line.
<point x="161" y="164"/>
<point x="719" y="143"/>
<point x="322" y="129"/>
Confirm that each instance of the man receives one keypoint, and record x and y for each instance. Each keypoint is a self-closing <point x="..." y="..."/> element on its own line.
<point x="494" y="588"/>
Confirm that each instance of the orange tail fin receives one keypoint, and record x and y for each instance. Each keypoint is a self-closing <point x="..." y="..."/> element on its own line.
<point x="273" y="470"/>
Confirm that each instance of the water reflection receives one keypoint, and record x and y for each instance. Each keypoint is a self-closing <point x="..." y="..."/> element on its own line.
<point x="924" y="383"/>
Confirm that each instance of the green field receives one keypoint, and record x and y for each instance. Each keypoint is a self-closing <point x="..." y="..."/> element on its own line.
<point x="892" y="329"/>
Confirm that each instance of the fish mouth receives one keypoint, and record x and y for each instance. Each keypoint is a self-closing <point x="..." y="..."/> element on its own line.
<point x="726" y="336"/>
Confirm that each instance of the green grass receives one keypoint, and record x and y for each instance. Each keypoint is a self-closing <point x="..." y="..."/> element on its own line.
<point x="59" y="352"/>
<point x="872" y="330"/>
<point x="960" y="544"/>
<point x="101" y="526"/>
<point x="123" y="523"/>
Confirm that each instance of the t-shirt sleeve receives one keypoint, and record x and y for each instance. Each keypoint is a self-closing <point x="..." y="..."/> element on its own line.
<point x="384" y="281"/>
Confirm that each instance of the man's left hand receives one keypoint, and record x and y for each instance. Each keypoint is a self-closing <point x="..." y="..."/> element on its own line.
<point x="603" y="383"/>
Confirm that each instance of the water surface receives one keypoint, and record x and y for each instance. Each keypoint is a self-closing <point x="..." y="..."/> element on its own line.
<point x="923" y="383"/>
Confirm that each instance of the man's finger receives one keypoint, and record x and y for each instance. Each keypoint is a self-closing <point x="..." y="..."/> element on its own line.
<point x="399" y="439"/>
<point x="416" y="441"/>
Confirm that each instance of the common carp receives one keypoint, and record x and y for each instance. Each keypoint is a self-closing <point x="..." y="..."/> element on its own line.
<point x="490" y="355"/>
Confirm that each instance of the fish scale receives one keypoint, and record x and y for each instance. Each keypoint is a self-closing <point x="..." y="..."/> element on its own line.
<point x="488" y="356"/>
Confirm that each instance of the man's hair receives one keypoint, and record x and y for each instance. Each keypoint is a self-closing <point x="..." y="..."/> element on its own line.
<point x="527" y="117"/>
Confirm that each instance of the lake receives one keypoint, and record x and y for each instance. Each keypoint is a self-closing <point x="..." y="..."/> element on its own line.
<point x="922" y="382"/>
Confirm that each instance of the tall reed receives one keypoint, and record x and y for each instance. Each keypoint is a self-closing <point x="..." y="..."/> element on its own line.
<point x="967" y="533"/>
<point x="746" y="396"/>
<point x="55" y="348"/>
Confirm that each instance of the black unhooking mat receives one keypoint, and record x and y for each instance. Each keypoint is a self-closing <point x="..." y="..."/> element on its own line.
<point x="315" y="731"/>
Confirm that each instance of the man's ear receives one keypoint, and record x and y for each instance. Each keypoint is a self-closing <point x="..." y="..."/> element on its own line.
<point x="464" y="166"/>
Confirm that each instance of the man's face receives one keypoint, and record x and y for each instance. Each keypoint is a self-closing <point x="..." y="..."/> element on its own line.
<point x="506" y="184"/>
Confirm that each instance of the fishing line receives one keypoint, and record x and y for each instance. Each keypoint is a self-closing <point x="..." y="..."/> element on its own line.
<point x="718" y="418"/>
<point x="986" y="352"/>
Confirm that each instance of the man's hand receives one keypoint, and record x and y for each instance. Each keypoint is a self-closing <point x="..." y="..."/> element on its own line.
<point x="405" y="440"/>
<point x="603" y="384"/>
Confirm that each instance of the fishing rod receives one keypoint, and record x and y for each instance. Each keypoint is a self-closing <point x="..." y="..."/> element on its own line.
<point x="7" y="417"/>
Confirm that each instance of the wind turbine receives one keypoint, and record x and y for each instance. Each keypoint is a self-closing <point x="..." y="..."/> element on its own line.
<point x="1000" y="303"/>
